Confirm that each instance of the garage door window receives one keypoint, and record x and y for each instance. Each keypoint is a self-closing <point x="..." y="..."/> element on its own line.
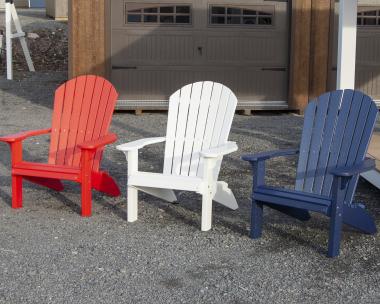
<point x="249" y="16"/>
<point x="158" y="14"/>
<point x="369" y="17"/>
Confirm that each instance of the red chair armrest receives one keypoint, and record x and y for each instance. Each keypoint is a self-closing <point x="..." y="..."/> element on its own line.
<point x="98" y="143"/>
<point x="23" y="135"/>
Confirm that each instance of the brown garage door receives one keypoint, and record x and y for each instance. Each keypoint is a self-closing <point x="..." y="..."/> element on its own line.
<point x="368" y="48"/>
<point x="159" y="46"/>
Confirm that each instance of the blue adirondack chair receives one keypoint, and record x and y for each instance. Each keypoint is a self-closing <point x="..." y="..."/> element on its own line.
<point x="337" y="130"/>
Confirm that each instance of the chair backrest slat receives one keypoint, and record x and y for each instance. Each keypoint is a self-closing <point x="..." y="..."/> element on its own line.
<point x="337" y="131"/>
<point x="179" y="136"/>
<point x="327" y="141"/>
<point x="192" y="121"/>
<point x="56" y="123"/>
<point x="316" y="139"/>
<point x="65" y="122"/>
<point x="305" y="144"/>
<point x="106" y="119"/>
<point x="171" y="131"/>
<point x="91" y="83"/>
<point x="200" y="117"/>
<point x="82" y="112"/>
<point x="74" y="120"/>
<point x="363" y="145"/>
<point x="211" y="120"/>
<point x="222" y="126"/>
<point x="341" y="123"/>
<point x="205" y="101"/>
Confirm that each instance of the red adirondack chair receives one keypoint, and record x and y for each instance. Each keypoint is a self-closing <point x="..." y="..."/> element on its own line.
<point x="82" y="115"/>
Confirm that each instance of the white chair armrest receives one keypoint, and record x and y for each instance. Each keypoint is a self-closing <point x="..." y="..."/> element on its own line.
<point x="216" y="152"/>
<point x="141" y="143"/>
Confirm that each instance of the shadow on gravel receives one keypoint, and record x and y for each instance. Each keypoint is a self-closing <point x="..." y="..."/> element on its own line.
<point x="5" y="196"/>
<point x="37" y="88"/>
<point x="298" y="239"/>
<point x="60" y="196"/>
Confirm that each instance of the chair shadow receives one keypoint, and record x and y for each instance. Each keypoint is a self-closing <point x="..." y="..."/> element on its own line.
<point x="97" y="199"/>
<point x="175" y="210"/>
<point x="59" y="196"/>
<point x="175" y="213"/>
<point x="115" y="209"/>
<point x="296" y="238"/>
<point x="6" y="197"/>
<point x="236" y="228"/>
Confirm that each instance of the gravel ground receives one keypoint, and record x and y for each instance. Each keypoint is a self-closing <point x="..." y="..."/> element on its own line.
<point x="49" y="254"/>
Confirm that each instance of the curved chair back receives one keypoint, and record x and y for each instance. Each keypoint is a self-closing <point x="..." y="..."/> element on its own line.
<point x="200" y="118"/>
<point x="83" y="109"/>
<point x="337" y="131"/>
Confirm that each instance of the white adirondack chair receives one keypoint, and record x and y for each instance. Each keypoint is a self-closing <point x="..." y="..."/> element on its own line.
<point x="199" y="123"/>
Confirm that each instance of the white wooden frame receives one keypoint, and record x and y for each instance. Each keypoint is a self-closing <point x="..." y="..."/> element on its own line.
<point x="11" y="14"/>
<point x="199" y="122"/>
<point x="348" y="11"/>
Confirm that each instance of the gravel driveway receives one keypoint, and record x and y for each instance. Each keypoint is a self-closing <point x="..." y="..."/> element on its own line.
<point x="49" y="254"/>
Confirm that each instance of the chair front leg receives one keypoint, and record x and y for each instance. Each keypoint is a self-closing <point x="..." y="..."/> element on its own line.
<point x="258" y="169"/>
<point x="256" y="220"/>
<point x="340" y="185"/>
<point x="16" y="155"/>
<point x="86" y="172"/>
<point x="16" y="191"/>
<point x="208" y="192"/>
<point x="132" y="192"/>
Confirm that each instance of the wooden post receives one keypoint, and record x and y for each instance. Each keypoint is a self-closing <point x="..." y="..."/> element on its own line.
<point x="87" y="37"/>
<point x="310" y="50"/>
<point x="322" y="20"/>
<point x="300" y="54"/>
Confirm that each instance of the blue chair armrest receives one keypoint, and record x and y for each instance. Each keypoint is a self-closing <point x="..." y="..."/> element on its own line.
<point x="268" y="155"/>
<point x="366" y="165"/>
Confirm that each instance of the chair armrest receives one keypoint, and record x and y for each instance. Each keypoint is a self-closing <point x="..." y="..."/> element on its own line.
<point x="216" y="152"/>
<point x="270" y="154"/>
<point x="141" y="143"/>
<point x="23" y="135"/>
<point x="366" y="165"/>
<point x="98" y="143"/>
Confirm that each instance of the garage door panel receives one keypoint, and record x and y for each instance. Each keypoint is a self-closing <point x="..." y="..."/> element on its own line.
<point x="368" y="49"/>
<point x="258" y="50"/>
<point x="253" y="84"/>
<point x="368" y="80"/>
<point x="156" y="84"/>
<point x="152" y="48"/>
<point x="148" y="85"/>
<point x="151" y="61"/>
